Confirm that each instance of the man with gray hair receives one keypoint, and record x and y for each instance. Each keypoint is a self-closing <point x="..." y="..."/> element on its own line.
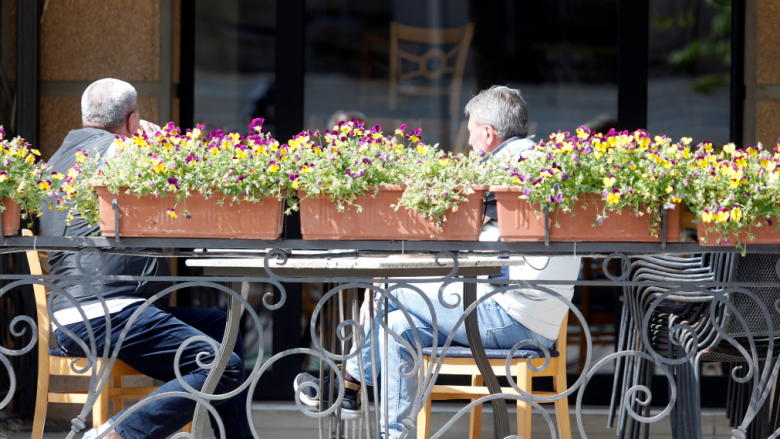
<point x="498" y="122"/>
<point x="109" y="109"/>
<point x="498" y="119"/>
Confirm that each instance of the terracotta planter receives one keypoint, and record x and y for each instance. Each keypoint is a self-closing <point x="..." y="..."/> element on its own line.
<point x="517" y="222"/>
<point x="764" y="235"/>
<point x="148" y="217"/>
<point x="378" y="221"/>
<point x="11" y="217"/>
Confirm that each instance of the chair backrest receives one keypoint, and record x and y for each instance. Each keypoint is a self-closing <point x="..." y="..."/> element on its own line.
<point x="432" y="36"/>
<point x="41" y="296"/>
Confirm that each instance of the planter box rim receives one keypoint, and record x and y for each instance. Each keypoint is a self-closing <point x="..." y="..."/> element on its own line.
<point x="397" y="187"/>
<point x="502" y="188"/>
<point x="282" y="193"/>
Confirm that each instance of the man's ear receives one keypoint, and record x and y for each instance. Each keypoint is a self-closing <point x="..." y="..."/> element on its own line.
<point x="131" y="122"/>
<point x="490" y="134"/>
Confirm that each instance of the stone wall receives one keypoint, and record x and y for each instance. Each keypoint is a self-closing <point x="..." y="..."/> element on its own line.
<point x="83" y="41"/>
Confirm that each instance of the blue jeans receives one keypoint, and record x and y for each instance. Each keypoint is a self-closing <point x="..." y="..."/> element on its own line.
<point x="497" y="330"/>
<point x="150" y="347"/>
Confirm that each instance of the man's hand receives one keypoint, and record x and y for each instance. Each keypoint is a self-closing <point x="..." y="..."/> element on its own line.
<point x="365" y="313"/>
<point x="149" y="128"/>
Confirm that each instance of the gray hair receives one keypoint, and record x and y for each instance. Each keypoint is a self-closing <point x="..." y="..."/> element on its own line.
<point x="107" y="102"/>
<point x="503" y="108"/>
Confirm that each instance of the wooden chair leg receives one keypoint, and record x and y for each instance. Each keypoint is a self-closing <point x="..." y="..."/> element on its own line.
<point x="41" y="403"/>
<point x="100" y="409"/>
<point x="119" y="403"/>
<point x="524" y="381"/>
<point x="424" y="418"/>
<point x="476" y="412"/>
<point x="424" y="421"/>
<point x="187" y="428"/>
<point x="562" y="405"/>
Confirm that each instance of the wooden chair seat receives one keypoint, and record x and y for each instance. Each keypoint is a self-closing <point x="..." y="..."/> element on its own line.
<point x="52" y="362"/>
<point x="460" y="361"/>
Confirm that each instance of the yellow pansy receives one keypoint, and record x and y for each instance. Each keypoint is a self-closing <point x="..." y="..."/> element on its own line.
<point x="736" y="214"/>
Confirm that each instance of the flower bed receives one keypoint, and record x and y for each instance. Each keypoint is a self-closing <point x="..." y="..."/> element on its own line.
<point x="358" y="183"/>
<point x="519" y="222"/>
<point x="149" y="217"/>
<point x="25" y="183"/>
<point x="736" y="194"/>
<point x="380" y="220"/>
<point x="586" y="180"/>
<point x="233" y="185"/>
<point x="12" y="214"/>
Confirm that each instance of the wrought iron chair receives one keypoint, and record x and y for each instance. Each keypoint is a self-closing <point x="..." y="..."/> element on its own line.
<point x="459" y="361"/>
<point x="53" y="362"/>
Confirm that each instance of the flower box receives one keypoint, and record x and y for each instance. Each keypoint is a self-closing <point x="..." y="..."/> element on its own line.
<point x="11" y="217"/>
<point x="763" y="235"/>
<point x="149" y="217"/>
<point x="320" y="219"/>
<point x="517" y="222"/>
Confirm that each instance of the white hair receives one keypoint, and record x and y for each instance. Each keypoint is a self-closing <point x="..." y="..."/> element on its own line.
<point x="107" y="102"/>
<point x="503" y="108"/>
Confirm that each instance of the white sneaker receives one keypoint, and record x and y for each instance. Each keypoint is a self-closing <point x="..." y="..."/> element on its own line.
<point x="95" y="432"/>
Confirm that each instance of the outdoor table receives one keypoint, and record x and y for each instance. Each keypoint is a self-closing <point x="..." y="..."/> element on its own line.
<point x="336" y="265"/>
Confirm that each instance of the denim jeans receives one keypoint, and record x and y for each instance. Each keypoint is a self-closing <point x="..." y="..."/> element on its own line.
<point x="150" y="347"/>
<point x="497" y="330"/>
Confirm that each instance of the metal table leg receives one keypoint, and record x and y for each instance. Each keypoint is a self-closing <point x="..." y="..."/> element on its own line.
<point x="501" y="417"/>
<point x="226" y="349"/>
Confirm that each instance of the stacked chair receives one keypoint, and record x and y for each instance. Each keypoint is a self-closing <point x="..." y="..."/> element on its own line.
<point x="692" y="308"/>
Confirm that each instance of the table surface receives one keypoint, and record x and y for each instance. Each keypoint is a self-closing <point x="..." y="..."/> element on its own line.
<point x="411" y="266"/>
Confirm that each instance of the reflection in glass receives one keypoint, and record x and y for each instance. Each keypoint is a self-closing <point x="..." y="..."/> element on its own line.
<point x="419" y="62"/>
<point x="689" y="63"/>
<point x="234" y="63"/>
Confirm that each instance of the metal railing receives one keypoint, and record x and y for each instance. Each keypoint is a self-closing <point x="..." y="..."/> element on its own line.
<point x="684" y="305"/>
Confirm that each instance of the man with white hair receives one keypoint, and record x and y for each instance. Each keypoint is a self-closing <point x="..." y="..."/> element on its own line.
<point x="498" y="122"/>
<point x="109" y="109"/>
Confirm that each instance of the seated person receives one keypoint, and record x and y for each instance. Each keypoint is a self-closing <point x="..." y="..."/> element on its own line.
<point x="498" y="122"/>
<point x="109" y="109"/>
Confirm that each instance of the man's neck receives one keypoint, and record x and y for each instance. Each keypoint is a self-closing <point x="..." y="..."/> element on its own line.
<point x="116" y="131"/>
<point x="503" y="144"/>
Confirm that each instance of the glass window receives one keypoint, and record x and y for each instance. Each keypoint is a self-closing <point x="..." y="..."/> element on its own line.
<point x="7" y="66"/>
<point x="689" y="64"/>
<point x="234" y="83"/>
<point x="234" y="63"/>
<point x="419" y="62"/>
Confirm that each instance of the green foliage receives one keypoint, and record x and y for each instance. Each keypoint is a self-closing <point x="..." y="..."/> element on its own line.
<point x="24" y="179"/>
<point x="171" y="164"/>
<point x="351" y="161"/>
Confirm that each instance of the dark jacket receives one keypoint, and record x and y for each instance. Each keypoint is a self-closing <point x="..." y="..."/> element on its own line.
<point x="53" y="223"/>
